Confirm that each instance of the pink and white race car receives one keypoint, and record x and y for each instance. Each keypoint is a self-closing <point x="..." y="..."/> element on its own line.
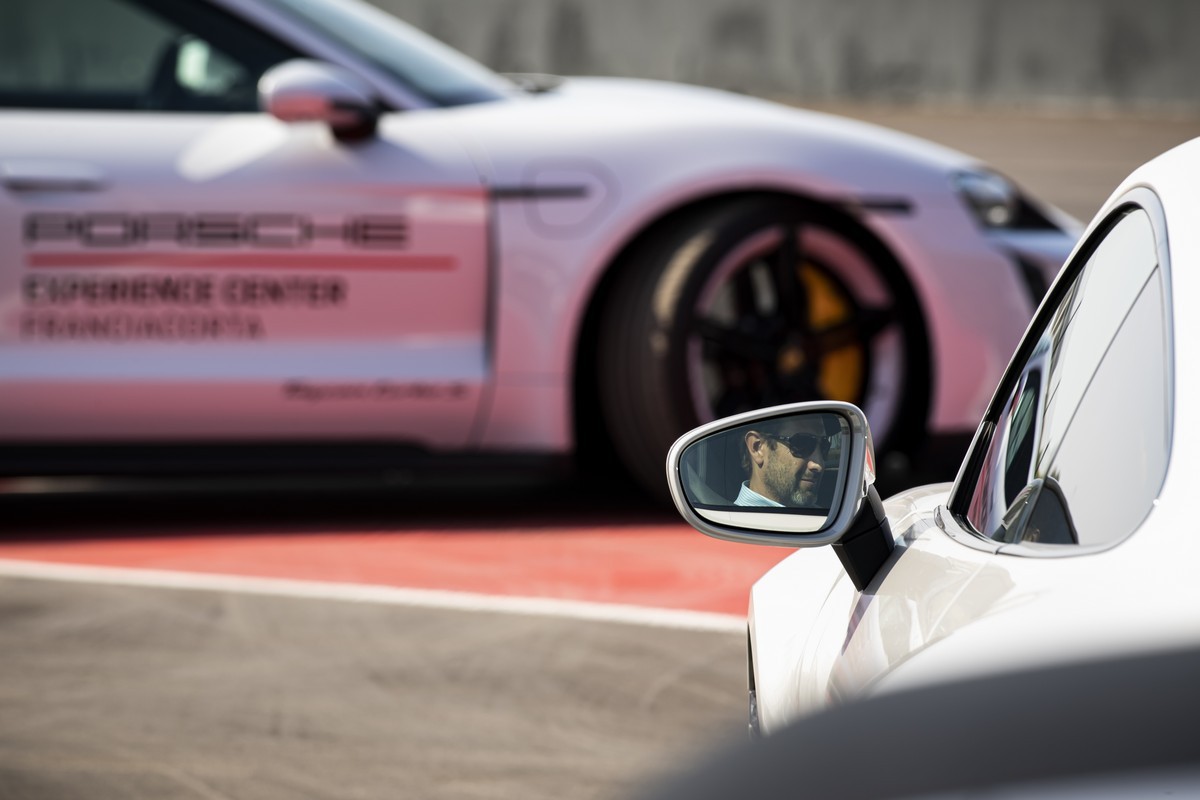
<point x="270" y="233"/>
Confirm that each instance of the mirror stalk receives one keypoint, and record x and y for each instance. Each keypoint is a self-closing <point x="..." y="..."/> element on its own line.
<point x="868" y="543"/>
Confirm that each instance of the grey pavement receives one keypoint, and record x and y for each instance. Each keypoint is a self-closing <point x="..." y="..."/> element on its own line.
<point x="136" y="693"/>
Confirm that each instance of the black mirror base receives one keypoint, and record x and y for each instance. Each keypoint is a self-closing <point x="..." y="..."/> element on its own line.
<point x="866" y="546"/>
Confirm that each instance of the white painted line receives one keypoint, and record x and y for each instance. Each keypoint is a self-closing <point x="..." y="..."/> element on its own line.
<point x="387" y="595"/>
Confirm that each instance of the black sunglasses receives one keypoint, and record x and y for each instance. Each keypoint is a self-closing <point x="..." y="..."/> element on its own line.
<point x="803" y="445"/>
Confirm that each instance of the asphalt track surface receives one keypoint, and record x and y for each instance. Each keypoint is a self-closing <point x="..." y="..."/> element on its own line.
<point x="352" y="640"/>
<point x="348" y="639"/>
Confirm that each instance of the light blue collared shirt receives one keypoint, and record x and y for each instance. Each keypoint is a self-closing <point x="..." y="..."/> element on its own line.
<point x="749" y="497"/>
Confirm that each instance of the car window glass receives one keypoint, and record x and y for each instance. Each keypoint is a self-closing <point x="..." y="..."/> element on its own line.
<point x="1019" y="458"/>
<point x="1083" y="328"/>
<point x="1008" y="464"/>
<point x="1041" y="464"/>
<point x="1049" y="520"/>
<point x="1113" y="454"/>
<point x="152" y="55"/>
<point x="427" y="66"/>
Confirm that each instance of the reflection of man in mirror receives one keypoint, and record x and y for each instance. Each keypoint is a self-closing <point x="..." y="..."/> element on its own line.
<point x="785" y="460"/>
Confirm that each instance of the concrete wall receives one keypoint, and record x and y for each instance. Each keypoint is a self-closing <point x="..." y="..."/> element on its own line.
<point x="1088" y="54"/>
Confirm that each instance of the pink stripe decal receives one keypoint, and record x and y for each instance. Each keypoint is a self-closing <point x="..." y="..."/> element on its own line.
<point x="295" y="261"/>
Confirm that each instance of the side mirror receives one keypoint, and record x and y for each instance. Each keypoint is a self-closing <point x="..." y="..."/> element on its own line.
<point x="799" y="475"/>
<point x="301" y="90"/>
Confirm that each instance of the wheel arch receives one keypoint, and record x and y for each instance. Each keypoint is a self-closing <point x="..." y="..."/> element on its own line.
<point x="589" y="430"/>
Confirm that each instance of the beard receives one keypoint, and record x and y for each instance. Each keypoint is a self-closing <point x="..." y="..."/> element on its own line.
<point x="792" y="488"/>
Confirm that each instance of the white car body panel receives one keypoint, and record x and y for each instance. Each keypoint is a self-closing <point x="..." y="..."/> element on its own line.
<point x="357" y="320"/>
<point x="974" y="304"/>
<point x="951" y="605"/>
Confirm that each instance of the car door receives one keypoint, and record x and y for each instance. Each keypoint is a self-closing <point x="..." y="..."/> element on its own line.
<point x="176" y="265"/>
<point x="1067" y="462"/>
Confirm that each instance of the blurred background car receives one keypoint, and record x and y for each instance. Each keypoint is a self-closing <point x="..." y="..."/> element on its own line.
<point x="404" y="258"/>
<point x="1066" y="536"/>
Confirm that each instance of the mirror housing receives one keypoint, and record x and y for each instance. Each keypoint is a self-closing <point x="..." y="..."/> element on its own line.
<point x="798" y="475"/>
<point x="303" y="90"/>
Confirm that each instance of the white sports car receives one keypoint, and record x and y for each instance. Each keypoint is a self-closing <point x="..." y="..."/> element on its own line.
<point x="1068" y="534"/>
<point x="404" y="254"/>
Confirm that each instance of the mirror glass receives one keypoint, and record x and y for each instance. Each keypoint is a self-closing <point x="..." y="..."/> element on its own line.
<point x="783" y="473"/>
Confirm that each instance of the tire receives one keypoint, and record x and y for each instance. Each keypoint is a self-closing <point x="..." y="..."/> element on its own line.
<point x="707" y="319"/>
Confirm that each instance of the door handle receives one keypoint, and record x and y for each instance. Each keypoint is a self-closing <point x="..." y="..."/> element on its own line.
<point x="36" y="175"/>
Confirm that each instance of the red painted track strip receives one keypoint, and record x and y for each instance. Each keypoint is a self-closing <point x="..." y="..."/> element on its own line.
<point x="332" y="262"/>
<point x="661" y="566"/>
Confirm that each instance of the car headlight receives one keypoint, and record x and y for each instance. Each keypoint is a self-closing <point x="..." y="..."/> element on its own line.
<point x="993" y="198"/>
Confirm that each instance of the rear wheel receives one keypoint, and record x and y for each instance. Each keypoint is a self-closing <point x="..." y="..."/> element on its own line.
<point x="752" y="304"/>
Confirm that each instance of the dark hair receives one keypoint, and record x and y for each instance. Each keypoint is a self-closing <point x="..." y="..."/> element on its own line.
<point x="771" y="428"/>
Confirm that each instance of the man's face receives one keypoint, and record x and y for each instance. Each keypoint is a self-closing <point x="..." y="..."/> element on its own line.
<point x="784" y="476"/>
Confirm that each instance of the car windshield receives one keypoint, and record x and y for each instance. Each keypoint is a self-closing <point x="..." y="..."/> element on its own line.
<point x="437" y="72"/>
